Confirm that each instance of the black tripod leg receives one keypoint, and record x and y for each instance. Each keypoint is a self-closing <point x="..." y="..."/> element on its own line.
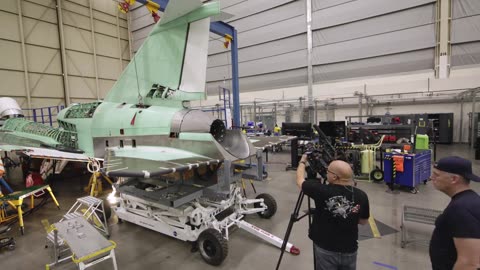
<point x="293" y="219"/>
<point x="309" y="225"/>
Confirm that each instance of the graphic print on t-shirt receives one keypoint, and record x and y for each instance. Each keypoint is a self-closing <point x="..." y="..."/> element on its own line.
<point x="339" y="206"/>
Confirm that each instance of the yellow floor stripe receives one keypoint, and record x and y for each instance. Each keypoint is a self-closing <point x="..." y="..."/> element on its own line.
<point x="46" y="225"/>
<point x="373" y="226"/>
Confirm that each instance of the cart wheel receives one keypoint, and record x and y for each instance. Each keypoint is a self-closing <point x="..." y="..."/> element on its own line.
<point x="265" y="175"/>
<point x="271" y="204"/>
<point x="414" y="191"/>
<point x="402" y="245"/>
<point x="11" y="246"/>
<point x="376" y="175"/>
<point x="213" y="247"/>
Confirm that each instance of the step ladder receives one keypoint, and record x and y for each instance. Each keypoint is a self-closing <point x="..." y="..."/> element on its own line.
<point x="92" y="209"/>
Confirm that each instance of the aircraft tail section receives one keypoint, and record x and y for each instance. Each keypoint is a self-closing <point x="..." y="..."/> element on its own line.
<point x="172" y="62"/>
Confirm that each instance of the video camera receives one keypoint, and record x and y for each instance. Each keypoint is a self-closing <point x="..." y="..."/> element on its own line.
<point x="318" y="159"/>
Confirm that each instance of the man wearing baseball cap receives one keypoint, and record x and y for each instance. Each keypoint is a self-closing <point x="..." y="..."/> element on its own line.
<point x="455" y="241"/>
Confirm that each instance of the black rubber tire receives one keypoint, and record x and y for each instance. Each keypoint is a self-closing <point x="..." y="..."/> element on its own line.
<point x="376" y="175"/>
<point x="107" y="209"/>
<point x="212" y="246"/>
<point x="269" y="202"/>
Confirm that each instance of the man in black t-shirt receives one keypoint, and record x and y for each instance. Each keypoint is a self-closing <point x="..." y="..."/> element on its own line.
<point x="455" y="241"/>
<point x="339" y="208"/>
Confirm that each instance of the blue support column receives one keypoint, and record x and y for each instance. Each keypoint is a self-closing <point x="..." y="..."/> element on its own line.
<point x="235" y="85"/>
<point x="221" y="29"/>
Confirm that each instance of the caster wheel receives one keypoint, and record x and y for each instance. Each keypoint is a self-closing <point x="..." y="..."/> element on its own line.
<point x="271" y="204"/>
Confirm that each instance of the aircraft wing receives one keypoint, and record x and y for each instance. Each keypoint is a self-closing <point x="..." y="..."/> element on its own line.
<point x="262" y="142"/>
<point x="152" y="161"/>
<point x="38" y="148"/>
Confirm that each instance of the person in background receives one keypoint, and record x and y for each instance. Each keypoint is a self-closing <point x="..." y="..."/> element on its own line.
<point x="339" y="208"/>
<point x="455" y="242"/>
<point x="276" y="130"/>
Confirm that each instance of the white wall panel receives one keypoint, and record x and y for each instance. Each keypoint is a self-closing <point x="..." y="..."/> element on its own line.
<point x="43" y="49"/>
<point x="104" y="17"/>
<point x="137" y="43"/>
<point x="105" y="6"/>
<point x="124" y="33"/>
<point x="405" y="40"/>
<point x="105" y="28"/>
<point x="40" y="33"/>
<point x="12" y="84"/>
<point x="105" y="86"/>
<point x="323" y="4"/>
<point x="44" y="11"/>
<point x="462" y="8"/>
<point x="77" y="8"/>
<point x="251" y="14"/>
<point x="80" y="64"/>
<point x="9" y="26"/>
<point x="465" y="54"/>
<point x="280" y="30"/>
<point x="77" y="39"/>
<point x="377" y="25"/>
<point x="11" y="55"/>
<point x="283" y="29"/>
<point x="45" y="102"/>
<point x="43" y="60"/>
<point x="75" y="20"/>
<point x="125" y="50"/>
<point x="358" y="10"/>
<point x="141" y="19"/>
<point x="277" y="47"/>
<point x="108" y="68"/>
<point x="107" y="46"/>
<point x="82" y="87"/>
<point x="44" y="85"/>
<point x="9" y="5"/>
<point x="277" y="80"/>
<point x="277" y="63"/>
<point x="247" y="8"/>
<point x="398" y="63"/>
<point x="80" y="2"/>
<point x="141" y="34"/>
<point x="466" y="29"/>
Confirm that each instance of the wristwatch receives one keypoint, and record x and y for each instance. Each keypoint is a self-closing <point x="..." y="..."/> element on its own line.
<point x="304" y="163"/>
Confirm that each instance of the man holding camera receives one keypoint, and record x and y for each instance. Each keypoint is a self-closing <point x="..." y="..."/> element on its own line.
<point x="339" y="208"/>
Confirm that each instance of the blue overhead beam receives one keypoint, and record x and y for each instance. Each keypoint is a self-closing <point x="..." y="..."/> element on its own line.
<point x="221" y="29"/>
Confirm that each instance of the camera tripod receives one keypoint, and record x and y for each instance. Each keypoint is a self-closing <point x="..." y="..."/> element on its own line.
<point x="294" y="218"/>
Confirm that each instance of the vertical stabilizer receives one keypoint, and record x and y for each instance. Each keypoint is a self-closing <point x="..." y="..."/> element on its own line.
<point x="174" y="56"/>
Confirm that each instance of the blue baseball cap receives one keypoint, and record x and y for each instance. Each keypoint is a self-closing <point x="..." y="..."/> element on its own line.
<point x="457" y="165"/>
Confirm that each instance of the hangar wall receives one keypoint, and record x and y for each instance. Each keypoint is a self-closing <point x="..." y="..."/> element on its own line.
<point x="50" y="72"/>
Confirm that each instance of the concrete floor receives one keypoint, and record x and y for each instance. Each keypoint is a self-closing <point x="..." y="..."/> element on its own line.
<point x="140" y="248"/>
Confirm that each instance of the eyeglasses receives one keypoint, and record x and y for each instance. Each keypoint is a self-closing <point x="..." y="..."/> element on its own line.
<point x="333" y="173"/>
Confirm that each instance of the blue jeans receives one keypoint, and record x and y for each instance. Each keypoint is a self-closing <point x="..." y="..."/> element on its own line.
<point x="329" y="260"/>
